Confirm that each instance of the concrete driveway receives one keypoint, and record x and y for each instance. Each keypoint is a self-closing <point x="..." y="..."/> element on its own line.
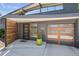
<point x="30" y="48"/>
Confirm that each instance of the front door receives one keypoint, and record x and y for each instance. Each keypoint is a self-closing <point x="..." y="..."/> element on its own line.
<point x="61" y="33"/>
<point x="26" y="31"/>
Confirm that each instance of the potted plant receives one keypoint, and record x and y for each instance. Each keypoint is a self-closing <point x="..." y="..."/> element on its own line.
<point x="39" y="41"/>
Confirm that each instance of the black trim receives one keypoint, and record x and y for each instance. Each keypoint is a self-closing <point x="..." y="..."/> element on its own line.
<point x="28" y="31"/>
<point x="16" y="30"/>
<point x="75" y="32"/>
<point x="23" y="30"/>
<point x="5" y="32"/>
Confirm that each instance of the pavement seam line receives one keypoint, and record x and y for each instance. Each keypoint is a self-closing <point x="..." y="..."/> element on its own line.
<point x="45" y="50"/>
<point x="6" y="53"/>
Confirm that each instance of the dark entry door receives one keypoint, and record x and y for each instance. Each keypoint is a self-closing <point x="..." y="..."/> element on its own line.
<point x="61" y="33"/>
<point x="26" y="31"/>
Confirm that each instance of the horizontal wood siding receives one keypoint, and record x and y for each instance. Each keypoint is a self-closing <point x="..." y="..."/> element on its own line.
<point x="11" y="31"/>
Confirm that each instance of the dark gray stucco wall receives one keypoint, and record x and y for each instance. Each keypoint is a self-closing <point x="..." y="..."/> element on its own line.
<point x="20" y="31"/>
<point x="77" y="34"/>
<point x="2" y="23"/>
<point x="43" y="28"/>
<point x="70" y="7"/>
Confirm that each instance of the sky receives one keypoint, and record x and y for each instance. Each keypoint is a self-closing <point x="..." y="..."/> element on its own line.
<point x="9" y="7"/>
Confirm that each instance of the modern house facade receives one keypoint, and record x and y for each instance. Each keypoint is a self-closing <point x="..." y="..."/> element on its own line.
<point x="57" y="22"/>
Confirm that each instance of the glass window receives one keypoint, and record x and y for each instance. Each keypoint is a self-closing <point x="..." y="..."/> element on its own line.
<point x="52" y="31"/>
<point x="54" y="25"/>
<point x="51" y="8"/>
<point x="66" y="25"/>
<point x="33" y="30"/>
<point x="33" y="12"/>
<point x="67" y="30"/>
<point x="59" y="7"/>
<point x="2" y="26"/>
<point x="43" y="9"/>
<point x="55" y="8"/>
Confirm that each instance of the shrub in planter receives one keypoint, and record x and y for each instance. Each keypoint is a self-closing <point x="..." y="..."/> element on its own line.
<point x="2" y="33"/>
<point x="39" y="39"/>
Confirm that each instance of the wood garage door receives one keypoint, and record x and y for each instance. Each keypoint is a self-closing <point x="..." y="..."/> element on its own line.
<point x="61" y="33"/>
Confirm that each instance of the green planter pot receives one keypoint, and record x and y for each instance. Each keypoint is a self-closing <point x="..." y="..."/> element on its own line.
<point x="39" y="42"/>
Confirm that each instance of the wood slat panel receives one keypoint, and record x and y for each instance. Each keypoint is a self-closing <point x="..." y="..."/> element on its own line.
<point x="61" y="34"/>
<point x="50" y="28"/>
<point x="11" y="31"/>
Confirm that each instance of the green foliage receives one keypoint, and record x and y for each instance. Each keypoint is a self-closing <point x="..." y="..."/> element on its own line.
<point x="39" y="35"/>
<point x="2" y="33"/>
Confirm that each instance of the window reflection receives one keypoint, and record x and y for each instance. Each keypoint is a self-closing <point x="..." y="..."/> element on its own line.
<point x="66" y="31"/>
<point x="33" y="30"/>
<point x="43" y="9"/>
<point x="59" y="7"/>
<point x="33" y="12"/>
<point x="51" y="8"/>
<point x="46" y="9"/>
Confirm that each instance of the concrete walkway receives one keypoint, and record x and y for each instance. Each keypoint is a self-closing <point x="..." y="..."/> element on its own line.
<point x="30" y="48"/>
